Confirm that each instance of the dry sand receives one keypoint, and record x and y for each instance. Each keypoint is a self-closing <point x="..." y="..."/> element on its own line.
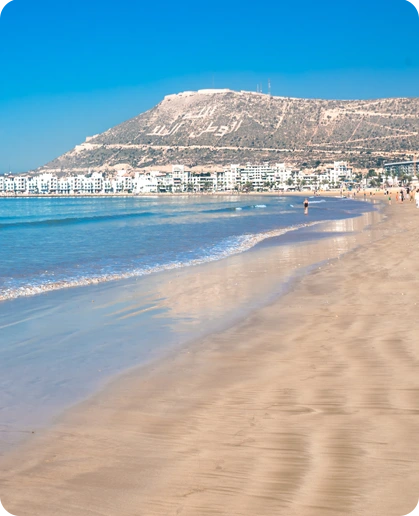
<point x="310" y="407"/>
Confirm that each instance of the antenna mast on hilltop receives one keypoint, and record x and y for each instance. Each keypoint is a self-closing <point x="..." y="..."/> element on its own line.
<point x="269" y="87"/>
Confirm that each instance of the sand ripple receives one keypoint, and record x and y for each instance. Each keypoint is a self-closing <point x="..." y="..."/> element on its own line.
<point x="308" y="408"/>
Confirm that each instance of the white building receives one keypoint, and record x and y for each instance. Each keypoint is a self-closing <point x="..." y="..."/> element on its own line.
<point x="20" y="183"/>
<point x="233" y="178"/>
<point x="260" y="176"/>
<point x="282" y="175"/>
<point x="8" y="185"/>
<point x="165" y="183"/>
<point x="97" y="182"/>
<point x="340" y="173"/>
<point x="42" y="184"/>
<point x="180" y="178"/>
<point x="229" y="178"/>
<point x="202" y="182"/>
<point x="146" y="183"/>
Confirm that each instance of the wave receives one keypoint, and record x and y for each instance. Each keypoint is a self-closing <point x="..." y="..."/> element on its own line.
<point x="224" y="249"/>
<point x="235" y="208"/>
<point x="223" y="210"/>
<point x="76" y="220"/>
<point x="317" y="202"/>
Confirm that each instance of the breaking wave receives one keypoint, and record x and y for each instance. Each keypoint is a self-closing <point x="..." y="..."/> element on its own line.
<point x="75" y="220"/>
<point x="225" y="248"/>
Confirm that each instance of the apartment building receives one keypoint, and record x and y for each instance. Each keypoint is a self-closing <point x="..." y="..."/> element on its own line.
<point x="339" y="173"/>
<point x="202" y="182"/>
<point x="180" y="178"/>
<point x="146" y="183"/>
<point x="235" y="177"/>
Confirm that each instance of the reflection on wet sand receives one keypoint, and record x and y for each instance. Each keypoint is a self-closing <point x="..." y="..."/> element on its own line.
<point x="307" y="408"/>
<point x="50" y="360"/>
<point x="214" y="292"/>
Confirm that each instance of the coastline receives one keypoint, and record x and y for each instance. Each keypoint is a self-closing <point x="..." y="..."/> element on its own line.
<point x="143" y="195"/>
<point x="235" y="236"/>
<point x="201" y="421"/>
<point x="332" y="193"/>
<point x="251" y="241"/>
<point x="59" y="360"/>
<point x="154" y="195"/>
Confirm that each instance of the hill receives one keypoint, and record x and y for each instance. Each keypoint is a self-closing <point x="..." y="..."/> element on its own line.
<point x="219" y="127"/>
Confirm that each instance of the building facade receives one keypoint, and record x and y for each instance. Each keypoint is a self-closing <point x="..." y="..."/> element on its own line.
<point x="236" y="177"/>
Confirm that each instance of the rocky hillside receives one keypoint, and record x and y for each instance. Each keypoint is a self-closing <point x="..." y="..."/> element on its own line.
<point x="218" y="127"/>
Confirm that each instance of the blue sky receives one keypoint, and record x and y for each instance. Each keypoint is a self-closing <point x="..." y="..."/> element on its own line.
<point x="73" y="69"/>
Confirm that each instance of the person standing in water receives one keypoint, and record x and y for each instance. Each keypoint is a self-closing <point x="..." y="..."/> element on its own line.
<point x="305" y="206"/>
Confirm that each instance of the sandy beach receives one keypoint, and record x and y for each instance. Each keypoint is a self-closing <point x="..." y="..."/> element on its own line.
<point x="308" y="407"/>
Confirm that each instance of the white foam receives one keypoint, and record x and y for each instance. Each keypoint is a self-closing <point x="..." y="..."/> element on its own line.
<point x="242" y="244"/>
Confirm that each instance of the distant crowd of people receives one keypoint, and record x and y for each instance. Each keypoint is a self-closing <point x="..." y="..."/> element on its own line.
<point x="405" y="194"/>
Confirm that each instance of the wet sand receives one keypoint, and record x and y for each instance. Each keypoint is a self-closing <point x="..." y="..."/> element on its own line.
<point x="309" y="407"/>
<point x="49" y="360"/>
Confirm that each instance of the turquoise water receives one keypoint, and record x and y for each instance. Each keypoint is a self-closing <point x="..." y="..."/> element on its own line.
<point x="51" y="243"/>
<point x="60" y="344"/>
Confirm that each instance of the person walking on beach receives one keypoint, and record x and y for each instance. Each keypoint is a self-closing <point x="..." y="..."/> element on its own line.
<point x="389" y="198"/>
<point x="305" y="206"/>
<point x="417" y="198"/>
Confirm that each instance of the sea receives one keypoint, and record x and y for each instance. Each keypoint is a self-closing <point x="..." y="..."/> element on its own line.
<point x="91" y="287"/>
<point x="54" y="243"/>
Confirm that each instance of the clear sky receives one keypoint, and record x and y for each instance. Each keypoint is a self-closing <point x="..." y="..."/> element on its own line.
<point x="70" y="69"/>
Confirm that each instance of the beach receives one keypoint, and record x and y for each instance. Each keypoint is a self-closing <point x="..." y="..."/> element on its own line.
<point x="307" y="405"/>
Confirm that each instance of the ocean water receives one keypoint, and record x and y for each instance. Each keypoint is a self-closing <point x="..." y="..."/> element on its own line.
<point x="59" y="344"/>
<point x="53" y="243"/>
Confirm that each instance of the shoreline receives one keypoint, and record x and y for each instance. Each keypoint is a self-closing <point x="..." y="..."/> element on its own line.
<point x="245" y="242"/>
<point x="172" y="293"/>
<point x="276" y="193"/>
<point x="181" y="309"/>
<point x="253" y="240"/>
<point x="124" y="392"/>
